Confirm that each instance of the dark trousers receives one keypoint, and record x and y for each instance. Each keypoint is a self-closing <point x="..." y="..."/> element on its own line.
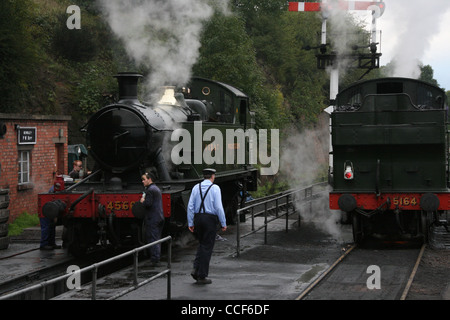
<point x="153" y="231"/>
<point x="47" y="232"/>
<point x="205" y="228"/>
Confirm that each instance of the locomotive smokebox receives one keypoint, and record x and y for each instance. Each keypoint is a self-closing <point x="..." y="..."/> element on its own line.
<point x="119" y="135"/>
<point x="128" y="84"/>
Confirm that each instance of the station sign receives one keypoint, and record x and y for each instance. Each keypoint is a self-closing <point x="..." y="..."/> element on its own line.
<point x="26" y="135"/>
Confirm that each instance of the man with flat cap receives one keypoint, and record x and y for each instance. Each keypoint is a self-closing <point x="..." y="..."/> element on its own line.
<point x="204" y="209"/>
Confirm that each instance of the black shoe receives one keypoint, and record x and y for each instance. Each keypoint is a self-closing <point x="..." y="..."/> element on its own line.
<point x="46" y="247"/>
<point x="204" y="281"/>
<point x="194" y="274"/>
<point x="56" y="246"/>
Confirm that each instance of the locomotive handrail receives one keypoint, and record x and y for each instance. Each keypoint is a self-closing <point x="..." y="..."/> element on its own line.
<point x="84" y="195"/>
<point x="94" y="267"/>
<point x="292" y="197"/>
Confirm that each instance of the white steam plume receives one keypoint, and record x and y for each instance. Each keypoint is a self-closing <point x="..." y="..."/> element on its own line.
<point x="304" y="154"/>
<point x="162" y="35"/>
<point x="343" y="34"/>
<point x="304" y="158"/>
<point x="413" y="23"/>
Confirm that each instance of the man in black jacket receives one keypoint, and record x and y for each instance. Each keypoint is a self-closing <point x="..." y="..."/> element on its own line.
<point x="154" y="216"/>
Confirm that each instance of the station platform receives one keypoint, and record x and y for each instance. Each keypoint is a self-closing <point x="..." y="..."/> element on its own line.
<point x="22" y="258"/>
<point x="278" y="270"/>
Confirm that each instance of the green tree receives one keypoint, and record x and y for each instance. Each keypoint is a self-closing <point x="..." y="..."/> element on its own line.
<point x="17" y="53"/>
<point x="227" y="54"/>
<point x="279" y="39"/>
<point x="427" y="74"/>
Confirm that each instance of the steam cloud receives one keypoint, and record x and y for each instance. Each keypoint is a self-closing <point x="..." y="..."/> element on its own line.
<point x="304" y="154"/>
<point x="162" y="35"/>
<point x="343" y="34"/>
<point x="407" y="26"/>
<point x="304" y="157"/>
<point x="414" y="25"/>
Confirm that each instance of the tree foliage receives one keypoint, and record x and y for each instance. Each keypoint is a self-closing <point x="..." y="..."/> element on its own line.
<point x="17" y="52"/>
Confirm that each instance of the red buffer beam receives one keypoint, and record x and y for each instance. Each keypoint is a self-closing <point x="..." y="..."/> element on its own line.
<point x="342" y="5"/>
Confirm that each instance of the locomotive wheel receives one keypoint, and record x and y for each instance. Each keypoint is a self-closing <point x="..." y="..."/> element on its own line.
<point x="65" y="237"/>
<point x="76" y="244"/>
<point x="357" y="228"/>
<point x="425" y="222"/>
<point x="141" y="233"/>
<point x="77" y="250"/>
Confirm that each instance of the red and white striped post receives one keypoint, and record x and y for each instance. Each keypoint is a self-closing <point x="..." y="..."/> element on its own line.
<point x="341" y="5"/>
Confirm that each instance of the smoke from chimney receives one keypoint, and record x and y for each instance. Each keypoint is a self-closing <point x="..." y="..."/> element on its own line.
<point x="161" y="35"/>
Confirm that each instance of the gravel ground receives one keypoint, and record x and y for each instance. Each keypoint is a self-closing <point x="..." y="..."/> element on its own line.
<point x="432" y="280"/>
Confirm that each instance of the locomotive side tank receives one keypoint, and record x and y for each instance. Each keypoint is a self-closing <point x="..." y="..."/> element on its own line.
<point x="129" y="138"/>
<point x="390" y="156"/>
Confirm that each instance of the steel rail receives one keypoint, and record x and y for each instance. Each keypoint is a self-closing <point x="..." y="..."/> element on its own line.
<point x="325" y="273"/>
<point x="413" y="273"/>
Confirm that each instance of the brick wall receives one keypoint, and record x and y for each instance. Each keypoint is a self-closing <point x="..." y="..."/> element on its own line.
<point x="47" y="156"/>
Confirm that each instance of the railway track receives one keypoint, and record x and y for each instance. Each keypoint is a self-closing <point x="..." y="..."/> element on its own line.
<point x="367" y="274"/>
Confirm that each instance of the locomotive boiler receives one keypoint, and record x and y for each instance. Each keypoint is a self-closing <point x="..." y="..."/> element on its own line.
<point x="129" y="138"/>
<point x="390" y="150"/>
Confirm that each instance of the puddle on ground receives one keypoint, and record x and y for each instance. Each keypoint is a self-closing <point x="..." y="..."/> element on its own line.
<point x="311" y="273"/>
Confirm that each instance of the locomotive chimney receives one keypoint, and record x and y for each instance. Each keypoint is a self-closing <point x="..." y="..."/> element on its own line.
<point x="128" y="82"/>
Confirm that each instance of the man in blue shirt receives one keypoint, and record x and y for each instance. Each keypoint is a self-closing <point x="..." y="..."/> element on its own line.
<point x="204" y="209"/>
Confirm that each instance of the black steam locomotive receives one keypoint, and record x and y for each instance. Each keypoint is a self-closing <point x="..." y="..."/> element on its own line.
<point x="391" y="157"/>
<point x="168" y="138"/>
